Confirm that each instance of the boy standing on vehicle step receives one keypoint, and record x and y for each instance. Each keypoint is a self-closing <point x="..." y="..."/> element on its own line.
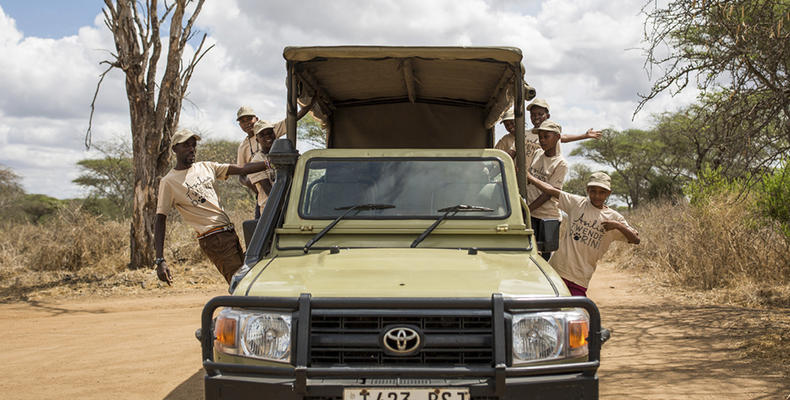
<point x="248" y="147"/>
<point x="592" y="228"/>
<point x="538" y="112"/>
<point x="263" y="181"/>
<point x="189" y="187"/>
<point x="550" y="167"/>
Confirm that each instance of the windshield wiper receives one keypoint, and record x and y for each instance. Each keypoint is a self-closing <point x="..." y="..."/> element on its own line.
<point x="447" y="210"/>
<point x="349" y="209"/>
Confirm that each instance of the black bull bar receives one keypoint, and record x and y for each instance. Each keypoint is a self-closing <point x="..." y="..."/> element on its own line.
<point x="302" y="306"/>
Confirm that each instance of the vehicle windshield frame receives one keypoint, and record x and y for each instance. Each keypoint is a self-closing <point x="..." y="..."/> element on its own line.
<point x="460" y="216"/>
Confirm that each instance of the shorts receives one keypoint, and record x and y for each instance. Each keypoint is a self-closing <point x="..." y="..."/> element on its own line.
<point x="576" y="290"/>
<point x="224" y="250"/>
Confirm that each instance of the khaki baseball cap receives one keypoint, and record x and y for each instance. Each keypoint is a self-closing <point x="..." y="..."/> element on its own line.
<point x="508" y="115"/>
<point x="539" y="103"/>
<point x="182" y="135"/>
<point x="244" y="111"/>
<point x="261" y="125"/>
<point x="551" y="126"/>
<point x="600" y="179"/>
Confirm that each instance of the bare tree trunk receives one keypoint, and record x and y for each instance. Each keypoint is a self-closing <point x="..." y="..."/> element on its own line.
<point x="154" y="109"/>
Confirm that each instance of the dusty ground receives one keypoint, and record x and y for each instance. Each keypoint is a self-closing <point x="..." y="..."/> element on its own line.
<point x="668" y="348"/>
<point x="137" y="347"/>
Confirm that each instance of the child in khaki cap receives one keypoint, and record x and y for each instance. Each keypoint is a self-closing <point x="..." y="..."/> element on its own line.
<point x="593" y="227"/>
<point x="265" y="135"/>
<point x="538" y="112"/>
<point x="549" y="166"/>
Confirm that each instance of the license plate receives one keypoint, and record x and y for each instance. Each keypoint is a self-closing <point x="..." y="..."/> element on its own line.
<point x="406" y="394"/>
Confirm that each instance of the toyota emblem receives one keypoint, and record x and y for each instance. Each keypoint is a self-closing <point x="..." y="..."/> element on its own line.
<point x="401" y="340"/>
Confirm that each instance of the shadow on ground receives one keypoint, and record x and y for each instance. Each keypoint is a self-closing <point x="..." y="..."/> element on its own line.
<point x="690" y="351"/>
<point x="190" y="389"/>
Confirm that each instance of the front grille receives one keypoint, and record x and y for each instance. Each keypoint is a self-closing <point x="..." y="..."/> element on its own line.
<point x="353" y="340"/>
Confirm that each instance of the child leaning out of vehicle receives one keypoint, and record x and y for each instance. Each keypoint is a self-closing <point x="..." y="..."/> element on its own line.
<point x="592" y="228"/>
<point x="549" y="166"/>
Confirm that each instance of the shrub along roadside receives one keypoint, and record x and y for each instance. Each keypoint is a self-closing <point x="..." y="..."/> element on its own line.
<point x="75" y="251"/>
<point x="716" y="243"/>
<point x="773" y="200"/>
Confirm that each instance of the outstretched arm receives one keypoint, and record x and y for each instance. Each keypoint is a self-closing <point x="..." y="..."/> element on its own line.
<point x="590" y="134"/>
<point x="630" y="234"/>
<point x="248" y="168"/>
<point x="306" y="108"/>
<point x="539" y="202"/>
<point x="544" y="187"/>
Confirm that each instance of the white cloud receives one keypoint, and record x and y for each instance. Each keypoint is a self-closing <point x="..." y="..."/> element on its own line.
<point x="580" y="55"/>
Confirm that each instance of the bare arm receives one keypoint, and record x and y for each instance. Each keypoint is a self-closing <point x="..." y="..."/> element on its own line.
<point x="590" y="134"/>
<point x="162" y="271"/>
<point x="306" y="108"/>
<point x="630" y="234"/>
<point x="539" y="202"/>
<point x="248" y="168"/>
<point x="543" y="186"/>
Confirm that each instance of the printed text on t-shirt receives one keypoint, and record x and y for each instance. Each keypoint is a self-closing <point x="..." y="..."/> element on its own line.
<point x="539" y="174"/>
<point x="589" y="233"/>
<point x="197" y="191"/>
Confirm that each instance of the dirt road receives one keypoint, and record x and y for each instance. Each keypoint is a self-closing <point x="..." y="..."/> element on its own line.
<point x="144" y="348"/>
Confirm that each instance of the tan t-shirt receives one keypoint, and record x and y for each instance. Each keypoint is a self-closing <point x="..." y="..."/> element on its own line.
<point x="191" y="192"/>
<point x="585" y="240"/>
<point x="551" y="170"/>
<point x="262" y="180"/>
<point x="247" y="149"/>
<point x="280" y="129"/>
<point x="508" y="142"/>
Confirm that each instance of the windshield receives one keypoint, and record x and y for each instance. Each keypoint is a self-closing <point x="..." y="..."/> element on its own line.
<point x="418" y="188"/>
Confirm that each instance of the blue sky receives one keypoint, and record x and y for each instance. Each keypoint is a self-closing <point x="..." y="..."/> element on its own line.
<point x="583" y="56"/>
<point x="52" y="18"/>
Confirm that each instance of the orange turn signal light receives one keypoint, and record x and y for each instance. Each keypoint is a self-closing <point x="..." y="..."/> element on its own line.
<point x="577" y="333"/>
<point x="225" y="330"/>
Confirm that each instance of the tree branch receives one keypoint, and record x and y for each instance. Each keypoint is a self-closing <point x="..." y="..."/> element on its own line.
<point x="88" y="133"/>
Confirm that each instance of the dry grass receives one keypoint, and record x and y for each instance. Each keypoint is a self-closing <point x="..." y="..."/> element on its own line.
<point x="76" y="253"/>
<point x="718" y="253"/>
<point x="718" y="248"/>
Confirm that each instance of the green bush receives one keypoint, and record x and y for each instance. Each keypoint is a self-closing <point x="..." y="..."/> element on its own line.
<point x="773" y="197"/>
<point x="710" y="183"/>
<point x="40" y="207"/>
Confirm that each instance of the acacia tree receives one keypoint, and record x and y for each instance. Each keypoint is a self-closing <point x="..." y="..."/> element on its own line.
<point x="644" y="163"/>
<point x="154" y="107"/>
<point x="110" y="177"/>
<point x="10" y="190"/>
<point x="738" y="53"/>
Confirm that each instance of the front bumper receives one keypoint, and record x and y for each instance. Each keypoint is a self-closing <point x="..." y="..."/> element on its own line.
<point x="574" y="380"/>
<point x="559" y="386"/>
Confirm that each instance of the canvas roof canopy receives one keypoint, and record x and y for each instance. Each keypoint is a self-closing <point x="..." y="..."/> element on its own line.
<point x="407" y="97"/>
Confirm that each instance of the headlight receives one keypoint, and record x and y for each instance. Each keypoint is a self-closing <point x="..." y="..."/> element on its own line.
<point x="545" y="336"/>
<point x="262" y="335"/>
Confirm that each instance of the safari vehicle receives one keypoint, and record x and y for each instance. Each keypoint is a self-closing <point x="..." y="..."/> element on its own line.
<point x="398" y="263"/>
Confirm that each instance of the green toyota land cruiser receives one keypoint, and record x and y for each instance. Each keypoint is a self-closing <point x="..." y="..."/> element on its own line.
<point x="398" y="263"/>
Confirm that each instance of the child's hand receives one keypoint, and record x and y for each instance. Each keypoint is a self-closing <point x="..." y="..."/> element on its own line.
<point x="591" y="134"/>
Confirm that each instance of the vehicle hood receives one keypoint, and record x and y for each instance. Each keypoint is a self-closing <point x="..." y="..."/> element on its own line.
<point x="402" y="273"/>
